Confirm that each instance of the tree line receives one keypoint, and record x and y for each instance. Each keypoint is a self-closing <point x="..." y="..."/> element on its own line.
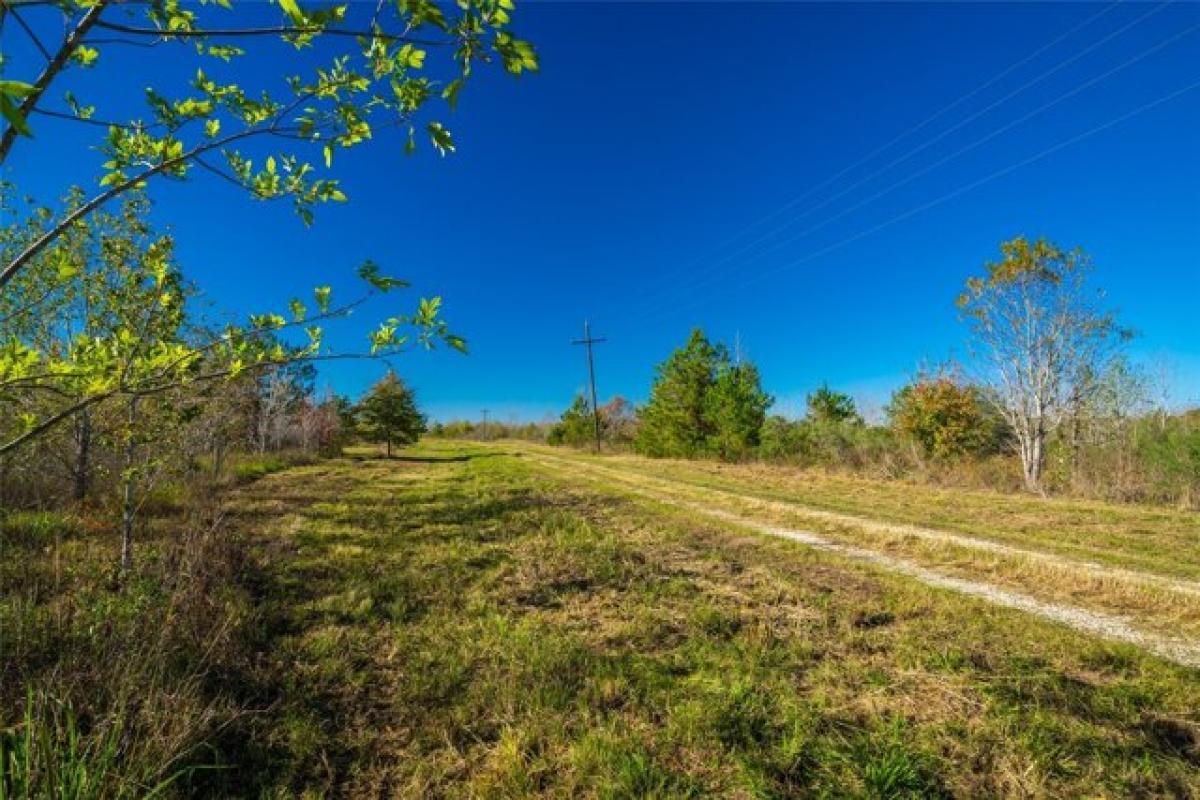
<point x="1049" y="401"/>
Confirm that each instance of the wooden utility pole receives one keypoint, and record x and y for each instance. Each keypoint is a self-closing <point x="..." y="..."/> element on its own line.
<point x="588" y="341"/>
<point x="483" y="433"/>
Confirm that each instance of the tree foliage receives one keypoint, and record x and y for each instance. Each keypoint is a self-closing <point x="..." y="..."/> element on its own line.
<point x="737" y="406"/>
<point x="1042" y="335"/>
<point x="389" y="413"/>
<point x="825" y="406"/>
<point x="344" y="75"/>
<point x="103" y="315"/>
<point x="575" y="427"/>
<point x="701" y="403"/>
<point x="943" y="417"/>
<point x="276" y="138"/>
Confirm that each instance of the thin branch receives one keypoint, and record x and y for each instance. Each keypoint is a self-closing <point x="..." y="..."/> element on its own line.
<point x="223" y="175"/>
<point x="105" y="40"/>
<point x="103" y="123"/>
<point x="50" y="422"/>
<point x="56" y="65"/>
<point x="279" y="30"/>
<point x="28" y="30"/>
<point x="15" y="266"/>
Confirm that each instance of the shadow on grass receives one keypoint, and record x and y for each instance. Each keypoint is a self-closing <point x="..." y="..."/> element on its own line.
<point x="306" y="647"/>
<point x="442" y="459"/>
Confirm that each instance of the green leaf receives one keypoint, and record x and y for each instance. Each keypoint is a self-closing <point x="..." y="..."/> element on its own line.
<point x="440" y="138"/>
<point x="12" y="113"/>
<point x="369" y="272"/>
<point x="321" y="294"/>
<point x="18" y="89"/>
<point x="292" y="9"/>
<point x="85" y="56"/>
<point x="450" y="93"/>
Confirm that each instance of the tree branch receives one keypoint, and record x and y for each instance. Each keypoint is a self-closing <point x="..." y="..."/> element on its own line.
<point x="28" y="30"/>
<point x="279" y="30"/>
<point x="43" y="241"/>
<point x="56" y="65"/>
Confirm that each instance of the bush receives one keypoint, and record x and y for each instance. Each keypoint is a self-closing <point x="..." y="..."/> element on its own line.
<point x="36" y="529"/>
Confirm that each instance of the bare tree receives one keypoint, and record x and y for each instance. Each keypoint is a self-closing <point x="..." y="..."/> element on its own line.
<point x="1042" y="337"/>
<point x="275" y="396"/>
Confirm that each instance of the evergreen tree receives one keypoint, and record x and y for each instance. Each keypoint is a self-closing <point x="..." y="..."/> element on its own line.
<point x="737" y="408"/>
<point x="676" y="421"/>
<point x="827" y="406"/>
<point x="575" y="426"/>
<point x="701" y="403"/>
<point x="389" y="413"/>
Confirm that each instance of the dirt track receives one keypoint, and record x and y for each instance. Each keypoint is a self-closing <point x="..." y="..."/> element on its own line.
<point x="1180" y="650"/>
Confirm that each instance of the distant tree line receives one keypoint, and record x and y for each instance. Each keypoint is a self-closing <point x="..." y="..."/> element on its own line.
<point x="1053" y="403"/>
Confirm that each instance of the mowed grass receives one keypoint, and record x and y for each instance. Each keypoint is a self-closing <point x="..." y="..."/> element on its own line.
<point x="1152" y="538"/>
<point x="1166" y="606"/>
<point x="456" y="623"/>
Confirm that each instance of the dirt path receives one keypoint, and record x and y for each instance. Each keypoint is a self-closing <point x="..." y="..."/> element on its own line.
<point x="1177" y="649"/>
<point x="1180" y="585"/>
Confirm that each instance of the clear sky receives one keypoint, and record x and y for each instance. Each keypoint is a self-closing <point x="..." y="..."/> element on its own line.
<point x="815" y="179"/>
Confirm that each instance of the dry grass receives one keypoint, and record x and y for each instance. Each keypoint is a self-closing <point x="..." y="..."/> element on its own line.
<point x="1150" y="538"/>
<point x="471" y="628"/>
<point x="1170" y="607"/>
<point x="460" y="623"/>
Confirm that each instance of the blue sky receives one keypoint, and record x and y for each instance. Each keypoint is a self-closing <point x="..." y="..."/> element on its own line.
<point x="817" y="180"/>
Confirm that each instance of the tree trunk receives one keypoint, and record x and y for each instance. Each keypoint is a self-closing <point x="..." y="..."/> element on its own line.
<point x="83" y="452"/>
<point x="389" y="444"/>
<point x="128" y="512"/>
<point x="1033" y="457"/>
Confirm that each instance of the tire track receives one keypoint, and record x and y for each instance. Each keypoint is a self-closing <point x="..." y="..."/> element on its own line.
<point x="1093" y="568"/>
<point x="1179" y="650"/>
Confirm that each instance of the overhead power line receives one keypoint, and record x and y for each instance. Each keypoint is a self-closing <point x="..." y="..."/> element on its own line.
<point x="701" y="282"/>
<point x="894" y="140"/>
<point x="960" y="190"/>
<point x="651" y="296"/>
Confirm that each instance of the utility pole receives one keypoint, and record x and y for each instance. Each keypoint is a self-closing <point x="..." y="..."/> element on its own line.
<point x="483" y="433"/>
<point x="588" y="341"/>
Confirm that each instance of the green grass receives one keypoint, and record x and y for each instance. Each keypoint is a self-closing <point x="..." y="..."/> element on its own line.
<point x="1152" y="538"/>
<point x="454" y="623"/>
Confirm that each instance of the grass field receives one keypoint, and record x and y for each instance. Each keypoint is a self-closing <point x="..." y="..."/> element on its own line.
<point x="508" y="621"/>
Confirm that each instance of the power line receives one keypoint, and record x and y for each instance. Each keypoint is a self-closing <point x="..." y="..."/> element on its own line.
<point x="898" y="138"/>
<point x="705" y="281"/>
<point x="588" y="341"/>
<point x="964" y="188"/>
<point x="715" y="266"/>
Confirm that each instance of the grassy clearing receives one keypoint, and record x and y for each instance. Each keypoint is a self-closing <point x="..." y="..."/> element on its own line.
<point x="459" y="624"/>
<point x="1165" y="606"/>
<point x="1155" y="539"/>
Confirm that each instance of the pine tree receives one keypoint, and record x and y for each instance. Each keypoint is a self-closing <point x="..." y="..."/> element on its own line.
<point x="676" y="420"/>
<point x="737" y="408"/>
<point x="701" y="404"/>
<point x="389" y="413"/>
<point x="575" y="426"/>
